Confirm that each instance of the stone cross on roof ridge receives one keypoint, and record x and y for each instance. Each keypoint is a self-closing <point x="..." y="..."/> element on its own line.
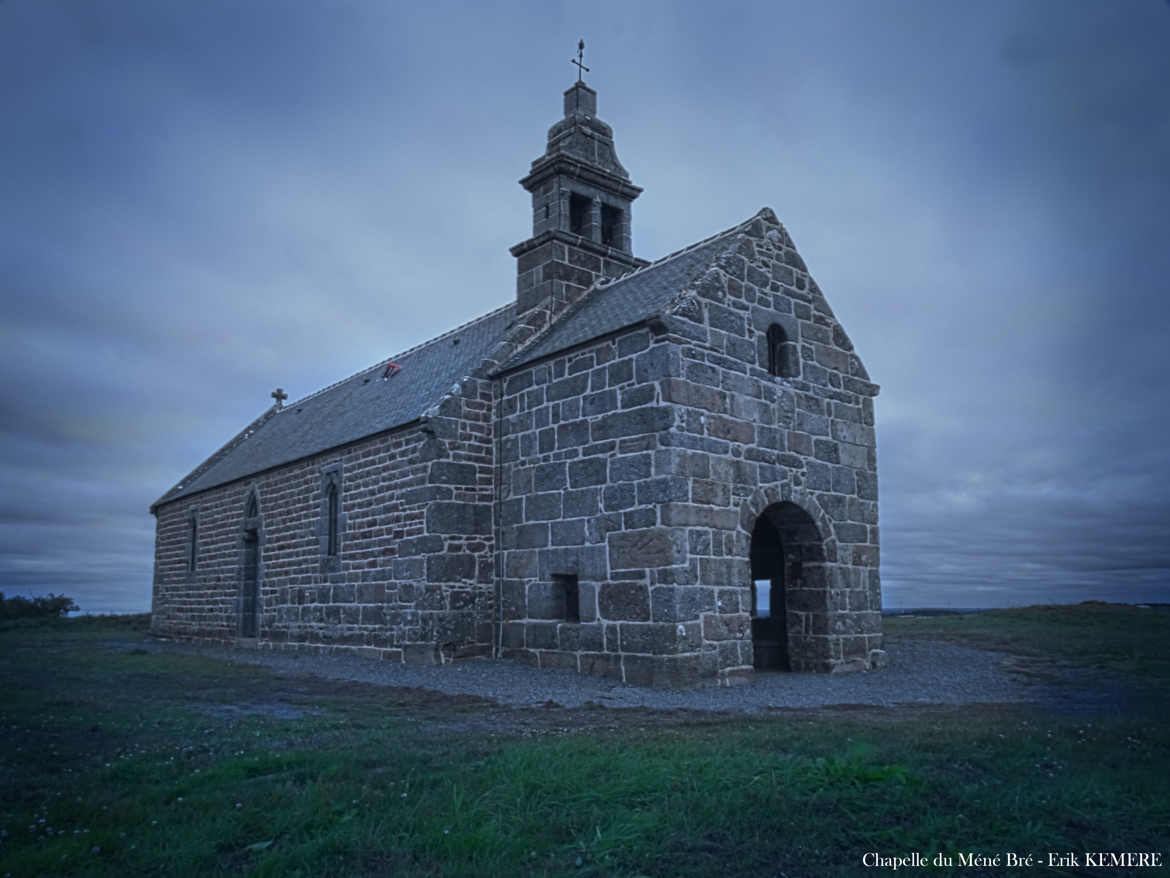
<point x="280" y="396"/>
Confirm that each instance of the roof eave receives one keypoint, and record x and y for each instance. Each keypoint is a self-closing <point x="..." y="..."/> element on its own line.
<point x="216" y="456"/>
<point x="165" y="499"/>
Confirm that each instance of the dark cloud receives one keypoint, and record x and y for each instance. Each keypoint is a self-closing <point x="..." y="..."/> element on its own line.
<point x="203" y="202"/>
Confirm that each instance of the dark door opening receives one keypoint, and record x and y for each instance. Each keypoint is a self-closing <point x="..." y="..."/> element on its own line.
<point x="249" y="605"/>
<point x="769" y="612"/>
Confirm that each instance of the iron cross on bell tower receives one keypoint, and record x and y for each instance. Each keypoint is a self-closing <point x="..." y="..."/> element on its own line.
<point x="580" y="60"/>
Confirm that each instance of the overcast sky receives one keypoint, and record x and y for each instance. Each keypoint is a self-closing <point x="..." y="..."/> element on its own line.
<point x="202" y="201"/>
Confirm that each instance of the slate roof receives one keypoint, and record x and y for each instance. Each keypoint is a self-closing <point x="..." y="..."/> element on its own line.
<point x="365" y="403"/>
<point x="359" y="406"/>
<point x="628" y="300"/>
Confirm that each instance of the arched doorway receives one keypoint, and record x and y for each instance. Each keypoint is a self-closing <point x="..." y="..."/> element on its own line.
<point x="788" y="587"/>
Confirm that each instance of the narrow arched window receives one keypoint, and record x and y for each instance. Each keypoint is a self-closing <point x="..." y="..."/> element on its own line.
<point x="193" y="550"/>
<point x="251" y="510"/>
<point x="332" y="513"/>
<point x="778" y="351"/>
<point x="330" y="527"/>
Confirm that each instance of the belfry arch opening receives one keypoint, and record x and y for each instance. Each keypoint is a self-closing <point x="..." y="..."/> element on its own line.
<point x="789" y="594"/>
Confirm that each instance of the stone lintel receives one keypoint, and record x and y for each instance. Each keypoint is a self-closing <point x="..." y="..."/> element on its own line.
<point x="580" y="242"/>
<point x="551" y="165"/>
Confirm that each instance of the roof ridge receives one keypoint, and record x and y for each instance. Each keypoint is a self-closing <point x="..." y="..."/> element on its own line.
<point x="458" y="328"/>
<point x="732" y="245"/>
<point x="687" y="249"/>
<point x="607" y="285"/>
<point x="216" y="456"/>
<point x="399" y="355"/>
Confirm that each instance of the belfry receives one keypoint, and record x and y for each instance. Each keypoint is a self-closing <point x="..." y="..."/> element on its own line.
<point x="581" y="199"/>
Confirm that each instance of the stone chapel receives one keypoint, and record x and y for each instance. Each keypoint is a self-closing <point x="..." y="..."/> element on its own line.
<point x="661" y="472"/>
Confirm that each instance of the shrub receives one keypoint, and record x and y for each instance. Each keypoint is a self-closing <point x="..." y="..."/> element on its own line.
<point x="53" y="606"/>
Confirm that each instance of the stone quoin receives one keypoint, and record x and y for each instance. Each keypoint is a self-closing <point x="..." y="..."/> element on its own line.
<point x="662" y="472"/>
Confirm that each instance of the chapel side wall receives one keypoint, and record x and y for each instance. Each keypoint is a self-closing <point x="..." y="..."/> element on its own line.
<point x="373" y="598"/>
<point x="584" y="471"/>
<point x="747" y="439"/>
<point x="190" y="603"/>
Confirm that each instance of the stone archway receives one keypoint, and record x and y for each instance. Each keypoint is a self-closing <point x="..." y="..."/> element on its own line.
<point x="790" y="597"/>
<point x="769" y="601"/>
<point x="791" y="552"/>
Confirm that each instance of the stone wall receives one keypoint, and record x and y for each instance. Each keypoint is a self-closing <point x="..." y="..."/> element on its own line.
<point x="579" y="497"/>
<point x="749" y="443"/>
<point x="455" y="554"/>
<point x="413" y="578"/>
<point x="640" y="465"/>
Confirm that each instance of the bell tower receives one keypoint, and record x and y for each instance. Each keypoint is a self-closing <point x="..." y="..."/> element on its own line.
<point x="581" y="197"/>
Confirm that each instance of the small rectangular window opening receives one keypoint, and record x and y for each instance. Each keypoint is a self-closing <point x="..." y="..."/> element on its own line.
<point x="763" y="598"/>
<point x="567" y="591"/>
<point x="579" y="208"/>
<point x="194" y="551"/>
<point x="780" y="352"/>
<point x="611" y="218"/>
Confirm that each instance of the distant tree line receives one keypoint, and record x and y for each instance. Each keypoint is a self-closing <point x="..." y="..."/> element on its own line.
<point x="30" y="608"/>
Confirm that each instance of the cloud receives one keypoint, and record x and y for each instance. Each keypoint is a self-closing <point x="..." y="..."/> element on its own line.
<point x="204" y="203"/>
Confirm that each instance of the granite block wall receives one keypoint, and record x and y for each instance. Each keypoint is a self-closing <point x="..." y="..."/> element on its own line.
<point x="413" y="576"/>
<point x="633" y="472"/>
<point x="799" y="449"/>
<point x="579" y="499"/>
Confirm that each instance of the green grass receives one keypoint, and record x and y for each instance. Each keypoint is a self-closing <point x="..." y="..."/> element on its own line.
<point x="117" y="760"/>
<point x="1114" y="637"/>
<point x="100" y="625"/>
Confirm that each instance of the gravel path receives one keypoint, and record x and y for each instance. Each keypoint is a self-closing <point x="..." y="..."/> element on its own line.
<point x="919" y="672"/>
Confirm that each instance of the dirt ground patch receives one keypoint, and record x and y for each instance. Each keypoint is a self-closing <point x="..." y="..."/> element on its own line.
<point x="305" y="692"/>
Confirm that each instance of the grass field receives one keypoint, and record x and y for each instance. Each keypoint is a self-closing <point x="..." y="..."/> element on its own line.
<point x="121" y="759"/>
<point x="1112" y="637"/>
